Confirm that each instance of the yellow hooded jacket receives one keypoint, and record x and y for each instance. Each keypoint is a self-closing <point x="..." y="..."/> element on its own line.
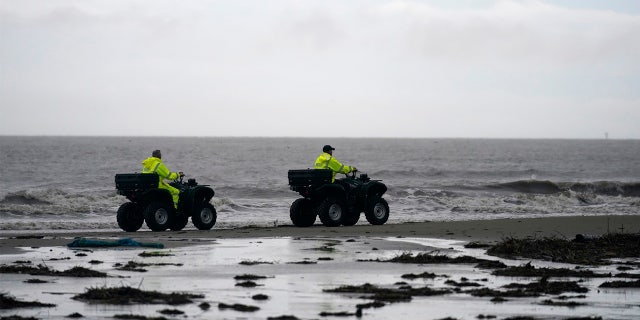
<point x="327" y="161"/>
<point x="155" y="165"/>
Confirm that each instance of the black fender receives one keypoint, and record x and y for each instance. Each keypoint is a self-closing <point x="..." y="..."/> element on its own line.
<point x="191" y="197"/>
<point x="331" y="190"/>
<point x="372" y="190"/>
<point x="161" y="195"/>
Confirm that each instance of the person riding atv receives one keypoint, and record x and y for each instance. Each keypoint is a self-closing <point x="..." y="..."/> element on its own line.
<point x="336" y="202"/>
<point x="163" y="205"/>
<point x="154" y="164"/>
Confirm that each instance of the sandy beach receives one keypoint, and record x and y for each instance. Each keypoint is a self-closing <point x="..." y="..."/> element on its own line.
<point x="296" y="269"/>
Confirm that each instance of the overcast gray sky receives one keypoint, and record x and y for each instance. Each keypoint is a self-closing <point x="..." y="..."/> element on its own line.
<point x="486" y="69"/>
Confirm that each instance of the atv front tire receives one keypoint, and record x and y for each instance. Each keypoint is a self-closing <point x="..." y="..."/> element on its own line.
<point x="301" y="213"/>
<point x="331" y="212"/>
<point x="204" y="217"/>
<point x="377" y="212"/>
<point x="129" y="217"/>
<point x="158" y="216"/>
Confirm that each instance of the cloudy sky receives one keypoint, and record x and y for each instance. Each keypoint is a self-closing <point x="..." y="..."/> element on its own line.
<point x="485" y="69"/>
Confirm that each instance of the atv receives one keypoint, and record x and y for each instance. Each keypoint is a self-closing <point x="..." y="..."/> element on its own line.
<point x="338" y="203"/>
<point x="154" y="206"/>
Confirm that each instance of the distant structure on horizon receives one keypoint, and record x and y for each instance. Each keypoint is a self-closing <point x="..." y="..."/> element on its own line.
<point x="606" y="135"/>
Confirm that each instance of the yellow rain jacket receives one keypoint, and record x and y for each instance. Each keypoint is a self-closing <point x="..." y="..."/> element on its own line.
<point x="154" y="165"/>
<point x="327" y="161"/>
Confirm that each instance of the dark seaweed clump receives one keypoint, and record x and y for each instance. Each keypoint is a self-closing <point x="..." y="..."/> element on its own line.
<point x="389" y="294"/>
<point x="42" y="270"/>
<point x="127" y="295"/>
<point x="533" y="289"/>
<point x="428" y="258"/>
<point x="238" y="307"/>
<point x="591" y="251"/>
<point x="9" y="302"/>
<point x="621" y="284"/>
<point x="527" y="270"/>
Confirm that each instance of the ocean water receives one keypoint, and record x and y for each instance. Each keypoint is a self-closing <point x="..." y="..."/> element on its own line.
<point x="52" y="183"/>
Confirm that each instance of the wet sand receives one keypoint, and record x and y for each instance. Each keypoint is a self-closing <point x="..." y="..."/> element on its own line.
<point x="296" y="267"/>
<point x="479" y="230"/>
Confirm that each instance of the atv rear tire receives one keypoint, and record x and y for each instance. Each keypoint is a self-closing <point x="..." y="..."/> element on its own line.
<point x="129" y="217"/>
<point x="350" y="219"/>
<point x="158" y="216"/>
<point x="301" y="213"/>
<point x="204" y="217"/>
<point x="331" y="212"/>
<point x="179" y="222"/>
<point x="377" y="212"/>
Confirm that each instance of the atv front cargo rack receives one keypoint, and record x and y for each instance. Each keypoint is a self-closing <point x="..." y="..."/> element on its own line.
<point x="309" y="177"/>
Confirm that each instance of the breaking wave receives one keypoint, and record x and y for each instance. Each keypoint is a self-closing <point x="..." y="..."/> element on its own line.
<point x="608" y="188"/>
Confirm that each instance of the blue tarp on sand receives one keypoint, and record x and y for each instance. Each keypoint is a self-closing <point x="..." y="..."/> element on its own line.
<point x="124" y="242"/>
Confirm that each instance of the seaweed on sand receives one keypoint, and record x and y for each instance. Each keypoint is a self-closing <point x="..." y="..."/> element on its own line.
<point x="527" y="270"/>
<point x="592" y="251"/>
<point x="137" y="317"/>
<point x="621" y="284"/>
<point x="544" y="286"/>
<point x="42" y="270"/>
<point x="429" y="258"/>
<point x="9" y="302"/>
<point x="238" y="307"/>
<point x="389" y="294"/>
<point x="249" y="277"/>
<point x="127" y="295"/>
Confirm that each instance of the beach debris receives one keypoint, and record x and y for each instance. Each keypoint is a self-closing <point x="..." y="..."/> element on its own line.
<point x="488" y="316"/>
<point x="491" y="264"/>
<point x="325" y="248"/>
<point x="249" y="277"/>
<point x="544" y="286"/>
<point x="325" y="259"/>
<point x="35" y="281"/>
<point x="628" y="275"/>
<point x="247" y="284"/>
<point x="260" y="297"/>
<point x="42" y="270"/>
<point x="253" y="262"/>
<point x="592" y="252"/>
<point x="428" y="258"/>
<point x="22" y="262"/>
<point x="389" y="294"/>
<point x="127" y="295"/>
<point x="132" y="266"/>
<point x="412" y="276"/>
<point x="285" y="317"/>
<point x="171" y="312"/>
<point x="570" y="304"/>
<point x="204" y="306"/>
<point x="238" y="307"/>
<point x="336" y="314"/>
<point x="621" y="284"/>
<point x="477" y="245"/>
<point x="17" y="317"/>
<point x="95" y="262"/>
<point x="462" y="283"/>
<point x="137" y="317"/>
<point x="303" y="262"/>
<point x="9" y="302"/>
<point x="126" y="242"/>
<point x="146" y="254"/>
<point x="75" y="315"/>
<point x="374" y="304"/>
<point x="528" y="270"/>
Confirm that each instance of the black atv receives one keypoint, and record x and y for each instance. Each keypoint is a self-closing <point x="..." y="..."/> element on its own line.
<point x="155" y="206"/>
<point x="338" y="203"/>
